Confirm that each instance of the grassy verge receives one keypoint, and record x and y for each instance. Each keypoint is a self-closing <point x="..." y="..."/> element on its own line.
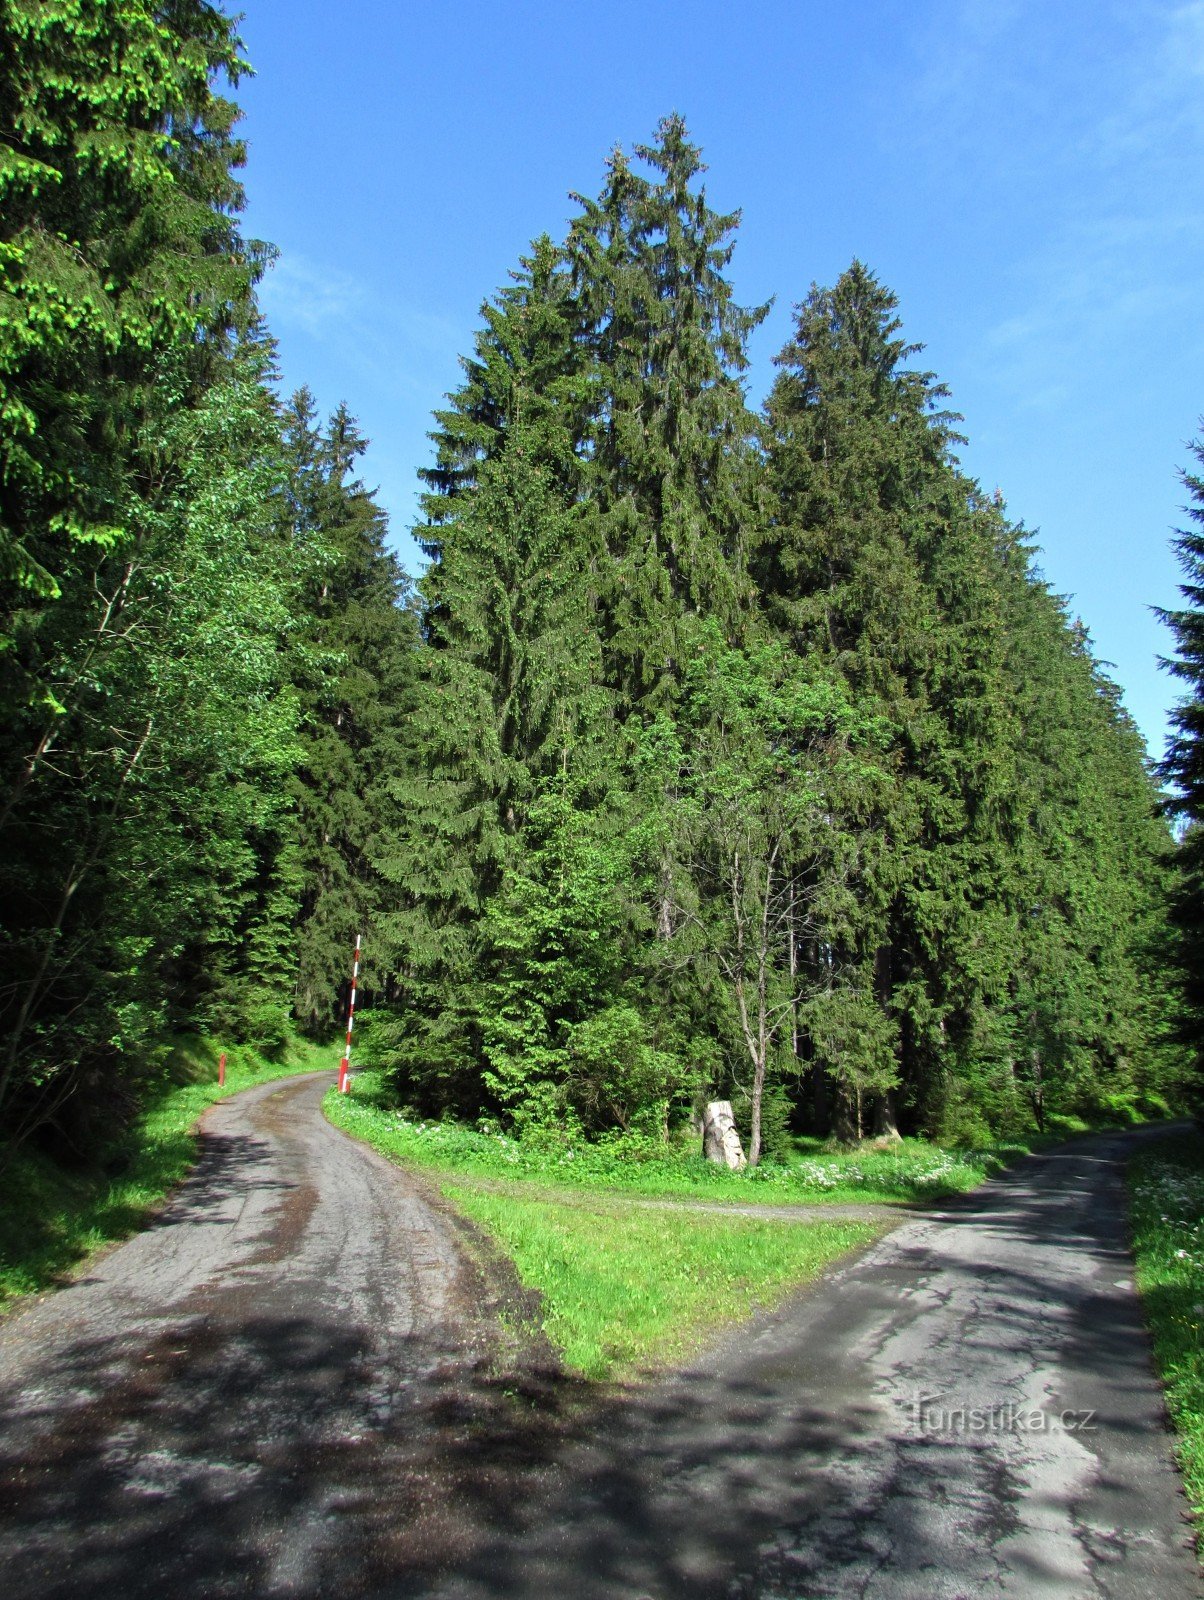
<point x="624" y="1291"/>
<point x="1166" y="1185"/>
<point x="911" y="1171"/>
<point x="52" y="1220"/>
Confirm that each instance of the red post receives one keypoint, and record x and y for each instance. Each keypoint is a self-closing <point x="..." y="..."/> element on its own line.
<point x="221" y="1070"/>
<point x="345" y="1063"/>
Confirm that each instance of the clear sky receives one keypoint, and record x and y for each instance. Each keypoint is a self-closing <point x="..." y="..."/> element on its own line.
<point x="1027" y="176"/>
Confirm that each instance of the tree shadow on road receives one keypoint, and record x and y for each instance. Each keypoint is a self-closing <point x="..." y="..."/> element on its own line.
<point x="272" y="1449"/>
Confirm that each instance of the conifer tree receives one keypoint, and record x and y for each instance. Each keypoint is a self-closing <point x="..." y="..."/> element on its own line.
<point x="671" y="469"/>
<point x="1074" y="1024"/>
<point x="878" y="559"/>
<point x="510" y="689"/>
<point x="1183" y="765"/>
<point x="355" y="654"/>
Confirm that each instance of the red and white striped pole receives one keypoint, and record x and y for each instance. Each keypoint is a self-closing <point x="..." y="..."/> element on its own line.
<point x="345" y="1063"/>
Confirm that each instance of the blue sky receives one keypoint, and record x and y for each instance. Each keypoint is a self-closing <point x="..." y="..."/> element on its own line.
<point x="1026" y="176"/>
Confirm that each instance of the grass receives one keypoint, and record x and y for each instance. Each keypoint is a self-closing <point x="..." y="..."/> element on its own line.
<point x="1166" y="1183"/>
<point x="626" y="1290"/>
<point x="914" y="1170"/>
<point x="53" y="1220"/>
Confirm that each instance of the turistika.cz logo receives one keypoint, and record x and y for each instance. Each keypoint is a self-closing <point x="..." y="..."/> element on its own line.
<point x="934" y="1414"/>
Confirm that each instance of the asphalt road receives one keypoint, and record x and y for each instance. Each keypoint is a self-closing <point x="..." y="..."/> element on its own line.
<point x="294" y="1384"/>
<point x="213" y="1409"/>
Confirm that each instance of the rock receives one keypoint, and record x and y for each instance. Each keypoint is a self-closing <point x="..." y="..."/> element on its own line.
<point x="720" y="1141"/>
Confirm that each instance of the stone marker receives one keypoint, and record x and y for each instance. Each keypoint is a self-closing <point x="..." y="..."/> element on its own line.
<point x="720" y="1141"/>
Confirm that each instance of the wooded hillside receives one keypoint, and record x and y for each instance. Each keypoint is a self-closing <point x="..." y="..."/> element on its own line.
<point x="716" y="751"/>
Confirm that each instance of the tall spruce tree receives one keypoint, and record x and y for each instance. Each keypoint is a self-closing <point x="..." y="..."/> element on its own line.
<point x="671" y="469"/>
<point x="1183" y="765"/>
<point x="673" y="472"/>
<point x="354" y="650"/>
<point x="510" y="690"/>
<point x="879" y="560"/>
<point x="1076" y="1023"/>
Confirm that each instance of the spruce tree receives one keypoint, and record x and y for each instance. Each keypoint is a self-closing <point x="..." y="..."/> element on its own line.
<point x="1075" y="1025"/>
<point x="1183" y="765"/>
<point x="879" y="560"/>
<point x="355" y="653"/>
<point x="510" y="690"/>
<point x="671" y="468"/>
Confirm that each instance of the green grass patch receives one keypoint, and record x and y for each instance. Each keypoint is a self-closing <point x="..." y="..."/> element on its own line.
<point x="627" y="1290"/>
<point x="1166" y="1184"/>
<point x="914" y="1170"/>
<point x="52" y="1220"/>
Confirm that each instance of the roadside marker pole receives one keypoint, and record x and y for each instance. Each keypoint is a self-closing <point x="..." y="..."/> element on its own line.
<point x="345" y="1063"/>
<point x="221" y="1070"/>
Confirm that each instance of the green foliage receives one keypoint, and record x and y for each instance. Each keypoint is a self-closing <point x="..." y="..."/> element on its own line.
<point x="1014" y="869"/>
<point x="803" y="1172"/>
<point x="144" y="591"/>
<point x="119" y="245"/>
<point x="551" y="957"/>
<point x="1166" y="1184"/>
<point x="1183" y="767"/>
<point x="354" y="666"/>
<point x="624" y="1292"/>
<point x="713" y="755"/>
<point x="147" y="850"/>
<point x="615" y="1077"/>
<point x="670" y="463"/>
<point x="761" y="758"/>
<point x="856" y="1042"/>
<point x="851" y="823"/>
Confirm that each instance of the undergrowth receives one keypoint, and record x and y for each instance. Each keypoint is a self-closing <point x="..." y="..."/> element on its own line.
<point x="913" y="1170"/>
<point x="1166" y="1183"/>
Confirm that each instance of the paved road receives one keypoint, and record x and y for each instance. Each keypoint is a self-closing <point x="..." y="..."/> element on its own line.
<point x="206" y="1412"/>
<point x="289" y="1386"/>
<point x="966" y="1410"/>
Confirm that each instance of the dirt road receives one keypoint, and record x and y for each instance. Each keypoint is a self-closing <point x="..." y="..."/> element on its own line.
<point x="293" y="1385"/>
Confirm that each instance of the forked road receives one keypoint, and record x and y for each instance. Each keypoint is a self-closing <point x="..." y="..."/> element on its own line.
<point x="288" y="1386"/>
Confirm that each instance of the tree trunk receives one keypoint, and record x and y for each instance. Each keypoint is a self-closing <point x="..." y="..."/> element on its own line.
<point x="758" y="1095"/>
<point x="821" y="1102"/>
<point x="844" y="1118"/>
<point x="885" y="1122"/>
<point x="793" y="975"/>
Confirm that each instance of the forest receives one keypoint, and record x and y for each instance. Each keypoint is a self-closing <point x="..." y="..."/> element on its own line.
<point x="717" y="751"/>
